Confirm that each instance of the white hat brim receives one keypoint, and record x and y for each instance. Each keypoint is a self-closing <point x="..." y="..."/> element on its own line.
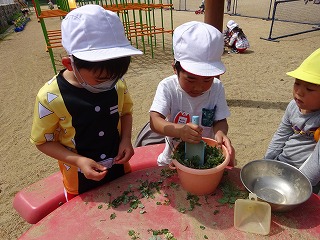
<point x="98" y="55"/>
<point x="204" y="69"/>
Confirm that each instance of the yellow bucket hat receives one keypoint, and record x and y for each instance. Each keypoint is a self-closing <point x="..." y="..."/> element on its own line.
<point x="309" y="70"/>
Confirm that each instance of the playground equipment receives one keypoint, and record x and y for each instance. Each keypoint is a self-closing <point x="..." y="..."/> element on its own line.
<point x="141" y="21"/>
<point x="72" y="4"/>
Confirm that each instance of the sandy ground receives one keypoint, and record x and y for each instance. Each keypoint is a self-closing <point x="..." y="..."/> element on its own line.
<point x="256" y="85"/>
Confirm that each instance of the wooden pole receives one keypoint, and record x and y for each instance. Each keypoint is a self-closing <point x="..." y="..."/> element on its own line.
<point x="214" y="10"/>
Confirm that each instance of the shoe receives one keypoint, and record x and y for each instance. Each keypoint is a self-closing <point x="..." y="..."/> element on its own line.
<point x="233" y="51"/>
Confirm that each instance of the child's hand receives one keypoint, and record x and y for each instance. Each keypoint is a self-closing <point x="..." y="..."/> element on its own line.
<point x="91" y="169"/>
<point x="125" y="152"/>
<point x="191" y="133"/>
<point x="222" y="139"/>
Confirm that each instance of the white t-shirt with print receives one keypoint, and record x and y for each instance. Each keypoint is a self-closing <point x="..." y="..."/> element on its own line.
<point x="177" y="106"/>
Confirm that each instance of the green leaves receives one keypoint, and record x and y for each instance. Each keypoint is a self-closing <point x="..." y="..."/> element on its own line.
<point x="156" y="234"/>
<point x="230" y="193"/>
<point x="133" y="234"/>
<point x="213" y="157"/>
<point x="113" y="216"/>
<point x="193" y="200"/>
<point x="146" y="190"/>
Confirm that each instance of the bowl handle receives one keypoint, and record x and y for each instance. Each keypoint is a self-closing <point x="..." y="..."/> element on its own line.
<point x="172" y="166"/>
<point x="253" y="197"/>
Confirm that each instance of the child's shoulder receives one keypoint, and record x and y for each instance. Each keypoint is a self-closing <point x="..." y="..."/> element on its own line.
<point x="173" y="79"/>
<point x="292" y="105"/>
<point x="170" y="82"/>
<point x="121" y="86"/>
<point x="217" y="82"/>
<point x="49" y="91"/>
<point x="50" y="86"/>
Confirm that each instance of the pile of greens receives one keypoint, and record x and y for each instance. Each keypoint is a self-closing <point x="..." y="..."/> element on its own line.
<point x="213" y="157"/>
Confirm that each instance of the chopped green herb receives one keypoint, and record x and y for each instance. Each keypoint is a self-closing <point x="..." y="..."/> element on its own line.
<point x="113" y="216"/>
<point x="182" y="210"/>
<point x="147" y="188"/>
<point x="167" y="173"/>
<point x="174" y="185"/>
<point x="100" y="206"/>
<point x="223" y="200"/>
<point x="142" y="211"/>
<point x="141" y="206"/>
<point x="135" y="203"/>
<point x="213" y="156"/>
<point x="134" y="235"/>
<point x="193" y="200"/>
<point x="202" y="227"/>
<point x="167" y="234"/>
<point x="231" y="193"/>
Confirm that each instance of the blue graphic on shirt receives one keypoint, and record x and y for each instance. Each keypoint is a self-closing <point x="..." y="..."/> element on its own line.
<point x="207" y="119"/>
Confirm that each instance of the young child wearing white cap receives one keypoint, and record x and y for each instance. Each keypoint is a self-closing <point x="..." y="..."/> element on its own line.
<point x="234" y="38"/>
<point x="194" y="90"/>
<point x="83" y="115"/>
<point x="296" y="140"/>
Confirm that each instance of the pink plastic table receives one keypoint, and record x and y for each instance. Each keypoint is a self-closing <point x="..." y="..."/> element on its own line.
<point x="161" y="203"/>
<point x="41" y="198"/>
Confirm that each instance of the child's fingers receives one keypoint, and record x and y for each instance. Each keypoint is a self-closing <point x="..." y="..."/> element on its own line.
<point x="100" y="168"/>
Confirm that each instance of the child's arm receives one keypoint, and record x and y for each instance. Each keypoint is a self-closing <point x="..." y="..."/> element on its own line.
<point x="232" y="39"/>
<point x="220" y="129"/>
<point x="311" y="167"/>
<point x="91" y="169"/>
<point x="125" y="148"/>
<point x="281" y="136"/>
<point x="187" y="132"/>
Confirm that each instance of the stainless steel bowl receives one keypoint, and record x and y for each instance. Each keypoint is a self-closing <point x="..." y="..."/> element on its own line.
<point x="281" y="185"/>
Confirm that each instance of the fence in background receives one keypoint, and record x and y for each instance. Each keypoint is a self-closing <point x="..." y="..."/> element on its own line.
<point x="287" y="17"/>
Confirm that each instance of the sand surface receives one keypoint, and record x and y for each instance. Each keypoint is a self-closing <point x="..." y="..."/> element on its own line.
<point x="256" y="86"/>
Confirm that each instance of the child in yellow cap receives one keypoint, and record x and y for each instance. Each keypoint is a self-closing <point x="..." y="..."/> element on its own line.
<point x="294" y="142"/>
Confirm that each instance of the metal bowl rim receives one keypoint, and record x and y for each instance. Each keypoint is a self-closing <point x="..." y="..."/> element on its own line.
<point x="290" y="166"/>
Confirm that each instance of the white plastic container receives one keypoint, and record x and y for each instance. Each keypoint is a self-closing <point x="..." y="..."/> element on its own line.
<point x="251" y="215"/>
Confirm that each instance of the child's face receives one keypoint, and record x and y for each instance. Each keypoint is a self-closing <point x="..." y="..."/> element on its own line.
<point x="194" y="85"/>
<point x="95" y="78"/>
<point x="92" y="78"/>
<point x="307" y="96"/>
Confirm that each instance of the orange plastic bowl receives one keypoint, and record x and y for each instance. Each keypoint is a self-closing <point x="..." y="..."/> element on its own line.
<point x="201" y="181"/>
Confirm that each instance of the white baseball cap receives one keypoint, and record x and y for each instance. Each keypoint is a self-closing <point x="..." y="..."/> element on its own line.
<point x="94" y="34"/>
<point x="198" y="47"/>
<point x="232" y="24"/>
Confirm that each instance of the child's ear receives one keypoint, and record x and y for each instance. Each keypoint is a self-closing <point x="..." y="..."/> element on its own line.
<point x="174" y="68"/>
<point x="66" y="62"/>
